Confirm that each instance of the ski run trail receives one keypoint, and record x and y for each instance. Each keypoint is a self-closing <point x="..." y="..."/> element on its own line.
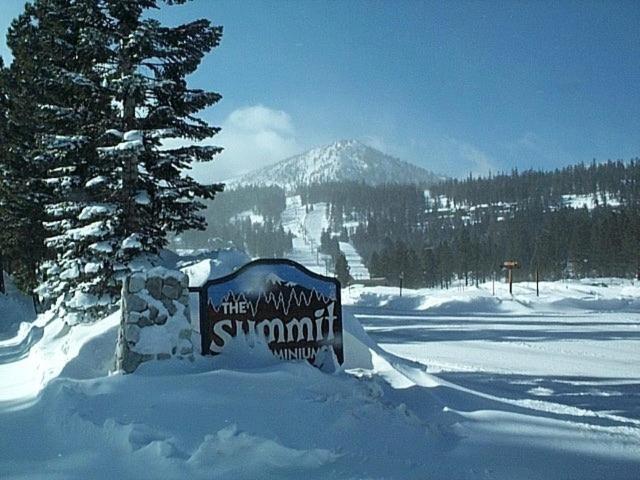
<point x="307" y="227"/>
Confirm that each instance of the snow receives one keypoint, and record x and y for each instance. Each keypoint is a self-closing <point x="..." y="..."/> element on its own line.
<point x="99" y="180"/>
<point x="95" y="211"/>
<point x="92" y="267"/>
<point x="71" y="272"/>
<point x="14" y="309"/>
<point x="92" y="230"/>
<point x="307" y="227"/>
<point x="204" y="265"/>
<point x="576" y="201"/>
<point x="132" y="242"/>
<point x="436" y="384"/>
<point x="133" y="136"/>
<point x="102" y="247"/>
<point x="248" y="214"/>
<point x="29" y="364"/>
<point x="590" y="201"/>
<point x="115" y="133"/>
<point x="142" y="198"/>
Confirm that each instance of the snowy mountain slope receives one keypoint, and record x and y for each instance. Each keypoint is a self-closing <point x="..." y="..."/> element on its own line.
<point x="345" y="160"/>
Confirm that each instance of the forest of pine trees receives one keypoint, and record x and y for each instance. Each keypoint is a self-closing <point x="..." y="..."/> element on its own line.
<point x="465" y="229"/>
<point x="227" y="223"/>
<point x="87" y="193"/>
<point x="617" y="178"/>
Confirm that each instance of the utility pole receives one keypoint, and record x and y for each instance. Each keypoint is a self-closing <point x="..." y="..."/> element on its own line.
<point x="401" y="279"/>
<point x="537" y="283"/>
<point x="2" y="288"/>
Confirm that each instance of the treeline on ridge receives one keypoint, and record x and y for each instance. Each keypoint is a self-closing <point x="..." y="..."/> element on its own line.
<point x="397" y="229"/>
<point x="229" y="220"/>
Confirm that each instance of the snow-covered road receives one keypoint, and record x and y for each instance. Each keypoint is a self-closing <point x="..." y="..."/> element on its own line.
<point x="589" y="361"/>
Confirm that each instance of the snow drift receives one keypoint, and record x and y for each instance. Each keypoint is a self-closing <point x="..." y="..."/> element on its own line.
<point x="246" y="414"/>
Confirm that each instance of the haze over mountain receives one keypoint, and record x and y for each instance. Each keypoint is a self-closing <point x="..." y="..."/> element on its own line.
<point x="345" y="160"/>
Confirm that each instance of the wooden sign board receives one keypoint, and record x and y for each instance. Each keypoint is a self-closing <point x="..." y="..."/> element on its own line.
<point x="511" y="264"/>
<point x="296" y="311"/>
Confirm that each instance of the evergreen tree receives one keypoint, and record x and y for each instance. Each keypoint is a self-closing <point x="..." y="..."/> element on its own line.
<point x="342" y="270"/>
<point x="21" y="200"/>
<point x="115" y="88"/>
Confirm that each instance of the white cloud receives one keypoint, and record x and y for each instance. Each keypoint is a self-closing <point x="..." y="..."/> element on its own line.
<point x="451" y="156"/>
<point x="260" y="118"/>
<point x="479" y="163"/>
<point x="376" y="142"/>
<point x="252" y="137"/>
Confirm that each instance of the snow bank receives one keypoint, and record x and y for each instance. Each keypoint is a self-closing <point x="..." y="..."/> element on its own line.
<point x="575" y="295"/>
<point x="26" y="370"/>
<point x="203" y="265"/>
<point x="243" y="414"/>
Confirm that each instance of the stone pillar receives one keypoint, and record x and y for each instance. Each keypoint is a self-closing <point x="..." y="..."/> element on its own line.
<point x="155" y="322"/>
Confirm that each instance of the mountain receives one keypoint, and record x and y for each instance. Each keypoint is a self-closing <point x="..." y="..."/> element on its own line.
<point x="345" y="160"/>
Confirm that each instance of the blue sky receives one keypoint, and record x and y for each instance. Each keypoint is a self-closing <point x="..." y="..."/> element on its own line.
<point x="456" y="87"/>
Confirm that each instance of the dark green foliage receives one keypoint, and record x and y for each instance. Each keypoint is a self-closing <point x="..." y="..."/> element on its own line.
<point x="227" y="221"/>
<point x="614" y="177"/>
<point x="97" y="95"/>
<point x="21" y="200"/>
<point x="521" y="217"/>
<point x="341" y="270"/>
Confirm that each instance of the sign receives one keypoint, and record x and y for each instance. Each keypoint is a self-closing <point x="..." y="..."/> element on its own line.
<point x="511" y="264"/>
<point x="296" y="311"/>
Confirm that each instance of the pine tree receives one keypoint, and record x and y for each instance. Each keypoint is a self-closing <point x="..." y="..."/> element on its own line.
<point x="68" y="43"/>
<point x="21" y="202"/>
<point x="342" y="270"/>
<point x="115" y="89"/>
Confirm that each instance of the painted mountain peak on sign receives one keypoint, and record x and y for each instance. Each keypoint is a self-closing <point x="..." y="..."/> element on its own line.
<point x="341" y="161"/>
<point x="274" y="278"/>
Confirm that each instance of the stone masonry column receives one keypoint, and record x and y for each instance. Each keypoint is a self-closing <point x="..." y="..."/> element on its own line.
<point x="155" y="322"/>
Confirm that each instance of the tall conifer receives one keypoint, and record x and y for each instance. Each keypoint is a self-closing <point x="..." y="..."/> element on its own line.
<point x="111" y="86"/>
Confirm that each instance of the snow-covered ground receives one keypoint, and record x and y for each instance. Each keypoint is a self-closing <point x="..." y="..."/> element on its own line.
<point x="250" y="215"/>
<point x="590" y="201"/>
<point x="560" y="373"/>
<point x="439" y="384"/>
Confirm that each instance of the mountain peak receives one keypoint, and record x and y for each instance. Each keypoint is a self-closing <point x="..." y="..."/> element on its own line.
<point x="341" y="161"/>
<point x="347" y="143"/>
